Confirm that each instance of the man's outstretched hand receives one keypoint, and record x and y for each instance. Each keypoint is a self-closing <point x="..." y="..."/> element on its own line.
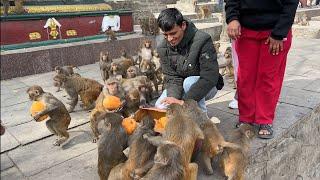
<point x="234" y="29"/>
<point x="171" y="100"/>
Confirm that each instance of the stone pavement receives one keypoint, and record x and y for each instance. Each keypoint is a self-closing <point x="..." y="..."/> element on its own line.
<point x="27" y="151"/>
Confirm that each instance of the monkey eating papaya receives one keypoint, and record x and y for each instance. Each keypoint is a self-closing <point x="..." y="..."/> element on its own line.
<point x="112" y="88"/>
<point x="88" y="90"/>
<point x="59" y="117"/>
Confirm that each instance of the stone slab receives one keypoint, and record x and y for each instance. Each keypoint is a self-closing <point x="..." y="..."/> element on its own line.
<point x="297" y="82"/>
<point x="314" y="86"/>
<point x="81" y="167"/>
<point x="12" y="173"/>
<point x="299" y="97"/>
<point x="8" y="141"/>
<point x="6" y="163"/>
<point x="222" y="103"/>
<point x="41" y="155"/>
<point x="32" y="131"/>
<point x="17" y="114"/>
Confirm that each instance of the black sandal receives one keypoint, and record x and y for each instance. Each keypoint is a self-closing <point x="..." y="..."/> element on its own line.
<point x="268" y="128"/>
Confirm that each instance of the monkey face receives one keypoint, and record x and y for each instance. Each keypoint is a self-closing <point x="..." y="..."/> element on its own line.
<point x="59" y="80"/>
<point x="131" y="72"/>
<point x="147" y="44"/>
<point x="115" y="67"/>
<point x="104" y="56"/>
<point x="227" y="53"/>
<point x="34" y="92"/>
<point x="112" y="88"/>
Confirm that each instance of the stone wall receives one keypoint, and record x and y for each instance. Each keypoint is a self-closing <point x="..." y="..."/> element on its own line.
<point x="22" y="62"/>
<point x="296" y="155"/>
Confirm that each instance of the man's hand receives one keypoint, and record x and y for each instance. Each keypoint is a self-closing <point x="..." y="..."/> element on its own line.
<point x="234" y="29"/>
<point x="275" y="46"/>
<point x="171" y="100"/>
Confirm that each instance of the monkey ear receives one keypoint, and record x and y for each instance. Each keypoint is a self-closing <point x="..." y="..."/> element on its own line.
<point x="249" y="133"/>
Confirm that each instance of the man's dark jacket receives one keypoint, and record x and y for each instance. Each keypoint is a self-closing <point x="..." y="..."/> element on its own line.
<point x="193" y="56"/>
<point x="275" y="15"/>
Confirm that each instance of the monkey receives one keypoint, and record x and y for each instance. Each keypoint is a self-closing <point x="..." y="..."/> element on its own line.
<point x="2" y="129"/>
<point x="66" y="70"/>
<point x="112" y="87"/>
<point x="124" y="55"/>
<point x="213" y="143"/>
<point x="105" y="64"/>
<point x="88" y="90"/>
<point x="149" y="69"/>
<point x="113" y="141"/>
<point x="141" y="153"/>
<point x="303" y="20"/>
<point x="59" y="117"/>
<point x="133" y="71"/>
<point x="234" y="161"/>
<point x="116" y="70"/>
<point x="227" y="67"/>
<point x="6" y="6"/>
<point x="132" y="102"/>
<point x="168" y="162"/>
<point x="184" y="132"/>
<point x="145" y="52"/>
<point x="124" y="64"/>
<point x="143" y="85"/>
<point x="204" y="12"/>
<point x="111" y="35"/>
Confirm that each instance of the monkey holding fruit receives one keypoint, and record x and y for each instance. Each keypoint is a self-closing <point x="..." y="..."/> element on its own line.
<point x="59" y="117"/>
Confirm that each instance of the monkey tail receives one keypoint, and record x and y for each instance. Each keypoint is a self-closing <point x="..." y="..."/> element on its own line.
<point x="230" y="145"/>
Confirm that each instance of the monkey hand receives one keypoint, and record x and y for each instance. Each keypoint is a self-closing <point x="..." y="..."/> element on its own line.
<point x="36" y="117"/>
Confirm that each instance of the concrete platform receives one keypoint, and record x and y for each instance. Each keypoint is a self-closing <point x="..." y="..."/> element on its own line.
<point x="27" y="151"/>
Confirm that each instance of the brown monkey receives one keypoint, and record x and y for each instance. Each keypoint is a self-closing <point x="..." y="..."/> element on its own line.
<point x="105" y="64"/>
<point x="143" y="85"/>
<point x="113" y="88"/>
<point x="66" y="70"/>
<point x="132" y="103"/>
<point x="2" y="129"/>
<point x="168" y="162"/>
<point x="6" y="6"/>
<point x="59" y="117"/>
<point x="213" y="142"/>
<point x="124" y="64"/>
<point x="149" y="69"/>
<point x="234" y="161"/>
<point x="111" y="35"/>
<point x="88" y="90"/>
<point x="124" y="55"/>
<point x="146" y="51"/>
<point x="227" y="68"/>
<point x="113" y="141"/>
<point x="141" y="154"/>
<point x="184" y="132"/>
<point x="133" y="71"/>
<point x="116" y="70"/>
<point x="204" y="12"/>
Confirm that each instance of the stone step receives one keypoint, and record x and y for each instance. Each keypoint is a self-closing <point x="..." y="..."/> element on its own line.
<point x="316" y="18"/>
<point x="310" y="31"/>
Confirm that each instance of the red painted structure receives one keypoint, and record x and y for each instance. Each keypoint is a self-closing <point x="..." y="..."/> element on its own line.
<point x="16" y="29"/>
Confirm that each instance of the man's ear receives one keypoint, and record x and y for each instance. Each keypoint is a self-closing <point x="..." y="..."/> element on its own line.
<point x="184" y="25"/>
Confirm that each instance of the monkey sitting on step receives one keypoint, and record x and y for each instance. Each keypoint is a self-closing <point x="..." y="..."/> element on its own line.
<point x="111" y="34"/>
<point x="59" y="117"/>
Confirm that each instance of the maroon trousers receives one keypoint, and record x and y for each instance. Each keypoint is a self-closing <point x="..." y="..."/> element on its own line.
<point x="260" y="76"/>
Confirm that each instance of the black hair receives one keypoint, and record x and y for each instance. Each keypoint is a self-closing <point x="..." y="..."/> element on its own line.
<point x="168" y="18"/>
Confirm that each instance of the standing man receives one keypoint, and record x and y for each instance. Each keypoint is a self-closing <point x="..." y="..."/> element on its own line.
<point x="262" y="30"/>
<point x="188" y="61"/>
